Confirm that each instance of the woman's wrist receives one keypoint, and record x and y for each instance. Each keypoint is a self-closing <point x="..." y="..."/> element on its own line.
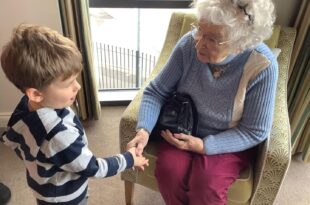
<point x="143" y="129"/>
<point x="200" y="146"/>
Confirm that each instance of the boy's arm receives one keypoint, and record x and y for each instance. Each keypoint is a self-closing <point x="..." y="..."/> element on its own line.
<point x="110" y="166"/>
<point x="5" y="139"/>
<point x="72" y="155"/>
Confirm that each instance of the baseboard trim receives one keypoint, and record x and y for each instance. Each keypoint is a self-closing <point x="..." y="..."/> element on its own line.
<point x="4" y="118"/>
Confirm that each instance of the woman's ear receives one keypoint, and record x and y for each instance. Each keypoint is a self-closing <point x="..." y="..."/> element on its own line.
<point x="34" y="95"/>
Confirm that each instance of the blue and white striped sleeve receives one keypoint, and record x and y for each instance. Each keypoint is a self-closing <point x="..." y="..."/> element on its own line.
<point x="68" y="151"/>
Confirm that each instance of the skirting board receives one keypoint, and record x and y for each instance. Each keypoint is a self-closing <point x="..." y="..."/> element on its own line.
<point x="4" y="118"/>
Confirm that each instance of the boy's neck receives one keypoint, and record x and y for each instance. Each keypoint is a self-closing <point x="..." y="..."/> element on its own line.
<point x="33" y="106"/>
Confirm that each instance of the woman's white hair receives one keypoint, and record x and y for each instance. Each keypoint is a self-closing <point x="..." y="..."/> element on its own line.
<point x="248" y="22"/>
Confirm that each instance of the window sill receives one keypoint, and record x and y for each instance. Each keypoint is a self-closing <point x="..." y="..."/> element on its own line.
<point x="116" y="95"/>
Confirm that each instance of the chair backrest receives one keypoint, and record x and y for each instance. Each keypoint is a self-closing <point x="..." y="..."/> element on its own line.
<point x="174" y="33"/>
<point x="189" y="18"/>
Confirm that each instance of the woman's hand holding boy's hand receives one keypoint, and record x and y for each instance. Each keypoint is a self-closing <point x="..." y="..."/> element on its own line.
<point x="139" y="161"/>
<point x="140" y="141"/>
<point x="184" y="142"/>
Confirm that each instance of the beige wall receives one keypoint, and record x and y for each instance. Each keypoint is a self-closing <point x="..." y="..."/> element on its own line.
<point x="12" y="13"/>
<point x="45" y="12"/>
<point x="286" y="11"/>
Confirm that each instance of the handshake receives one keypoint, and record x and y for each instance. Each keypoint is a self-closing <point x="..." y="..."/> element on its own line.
<point x="136" y="146"/>
<point x="139" y="160"/>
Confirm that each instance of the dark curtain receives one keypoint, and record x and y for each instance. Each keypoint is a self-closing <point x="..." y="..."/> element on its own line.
<point x="299" y="86"/>
<point x="75" y="23"/>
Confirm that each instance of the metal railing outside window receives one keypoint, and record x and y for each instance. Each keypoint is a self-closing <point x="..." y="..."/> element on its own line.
<point x="121" y="68"/>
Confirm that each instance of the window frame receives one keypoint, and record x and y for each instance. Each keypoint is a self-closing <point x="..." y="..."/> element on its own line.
<point x="140" y="3"/>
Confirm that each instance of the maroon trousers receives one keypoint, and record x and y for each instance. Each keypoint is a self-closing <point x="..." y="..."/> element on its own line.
<point x="187" y="178"/>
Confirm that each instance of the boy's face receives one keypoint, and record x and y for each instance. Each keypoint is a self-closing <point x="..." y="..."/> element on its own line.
<point x="60" y="93"/>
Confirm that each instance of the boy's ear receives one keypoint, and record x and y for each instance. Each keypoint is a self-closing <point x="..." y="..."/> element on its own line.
<point x="34" y="95"/>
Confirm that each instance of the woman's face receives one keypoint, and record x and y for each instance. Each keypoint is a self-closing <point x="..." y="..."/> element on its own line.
<point x="211" y="41"/>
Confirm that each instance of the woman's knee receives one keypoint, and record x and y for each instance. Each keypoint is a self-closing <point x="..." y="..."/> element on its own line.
<point x="209" y="189"/>
<point x="172" y="165"/>
<point x="172" y="171"/>
<point x="211" y="177"/>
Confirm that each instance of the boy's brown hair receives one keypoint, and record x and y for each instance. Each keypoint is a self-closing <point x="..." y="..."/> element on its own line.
<point x="37" y="55"/>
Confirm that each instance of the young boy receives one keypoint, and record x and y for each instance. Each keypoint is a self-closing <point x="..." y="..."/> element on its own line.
<point x="43" y="130"/>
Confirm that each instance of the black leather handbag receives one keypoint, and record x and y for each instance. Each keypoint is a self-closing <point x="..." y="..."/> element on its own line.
<point x="178" y="115"/>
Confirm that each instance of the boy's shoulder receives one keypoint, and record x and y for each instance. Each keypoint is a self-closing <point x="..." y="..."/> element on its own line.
<point x="51" y="122"/>
<point x="43" y="118"/>
<point x="50" y="118"/>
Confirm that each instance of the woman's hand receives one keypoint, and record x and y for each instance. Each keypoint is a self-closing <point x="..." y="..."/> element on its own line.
<point x="139" y="141"/>
<point x="184" y="142"/>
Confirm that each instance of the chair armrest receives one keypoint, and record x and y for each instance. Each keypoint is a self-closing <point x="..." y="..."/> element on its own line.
<point x="128" y="122"/>
<point x="127" y="131"/>
<point x="275" y="154"/>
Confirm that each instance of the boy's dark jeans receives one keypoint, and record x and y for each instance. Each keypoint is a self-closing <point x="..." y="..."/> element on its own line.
<point x="5" y="194"/>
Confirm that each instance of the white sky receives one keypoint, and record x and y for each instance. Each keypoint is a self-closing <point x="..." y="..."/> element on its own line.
<point x="118" y="27"/>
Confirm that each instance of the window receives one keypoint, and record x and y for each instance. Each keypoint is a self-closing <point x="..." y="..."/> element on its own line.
<point x="127" y="41"/>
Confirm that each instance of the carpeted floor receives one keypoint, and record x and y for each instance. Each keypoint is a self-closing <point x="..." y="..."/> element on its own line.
<point x="103" y="141"/>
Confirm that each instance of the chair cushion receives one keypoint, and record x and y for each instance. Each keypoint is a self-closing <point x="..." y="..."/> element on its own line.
<point x="238" y="194"/>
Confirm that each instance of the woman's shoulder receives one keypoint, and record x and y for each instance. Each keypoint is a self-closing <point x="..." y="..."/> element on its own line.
<point x="264" y="50"/>
<point x="263" y="60"/>
<point x="185" y="47"/>
<point x="186" y="42"/>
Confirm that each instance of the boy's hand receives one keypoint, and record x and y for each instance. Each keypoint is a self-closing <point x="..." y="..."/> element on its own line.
<point x="139" y="161"/>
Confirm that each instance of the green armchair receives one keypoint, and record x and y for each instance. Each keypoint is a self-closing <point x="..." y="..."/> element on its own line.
<point x="260" y="183"/>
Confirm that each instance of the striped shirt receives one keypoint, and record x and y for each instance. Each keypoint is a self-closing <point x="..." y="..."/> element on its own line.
<point x="235" y="108"/>
<point x="53" y="145"/>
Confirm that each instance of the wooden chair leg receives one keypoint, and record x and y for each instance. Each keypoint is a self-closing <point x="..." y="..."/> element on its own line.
<point x="129" y="188"/>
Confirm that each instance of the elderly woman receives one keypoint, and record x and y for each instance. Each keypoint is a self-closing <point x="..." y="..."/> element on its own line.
<point x="231" y="77"/>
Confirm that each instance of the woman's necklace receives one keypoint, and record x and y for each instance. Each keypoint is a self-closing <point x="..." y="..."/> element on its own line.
<point x="218" y="70"/>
